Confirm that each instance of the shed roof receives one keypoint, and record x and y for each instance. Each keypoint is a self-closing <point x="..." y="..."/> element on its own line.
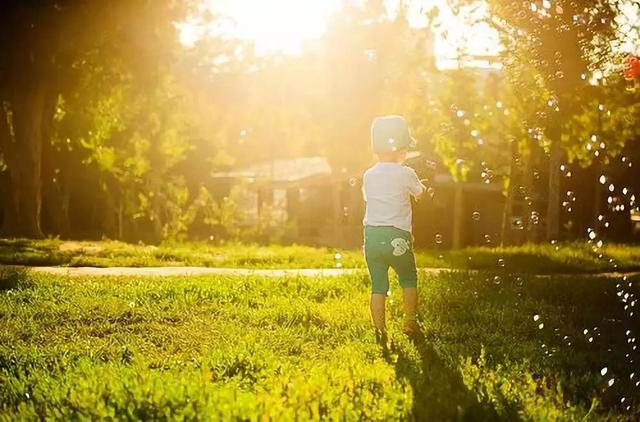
<point x="291" y="170"/>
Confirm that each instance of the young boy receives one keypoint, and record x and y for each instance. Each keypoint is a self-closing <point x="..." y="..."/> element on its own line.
<point x="387" y="188"/>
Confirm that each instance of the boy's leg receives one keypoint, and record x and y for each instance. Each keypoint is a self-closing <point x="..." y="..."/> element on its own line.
<point x="405" y="266"/>
<point x="379" y="273"/>
<point x="410" y="302"/>
<point x="378" y="310"/>
<point x="374" y="253"/>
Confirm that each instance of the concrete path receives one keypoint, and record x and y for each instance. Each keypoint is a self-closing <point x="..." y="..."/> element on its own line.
<point x="308" y="272"/>
<point x="182" y="271"/>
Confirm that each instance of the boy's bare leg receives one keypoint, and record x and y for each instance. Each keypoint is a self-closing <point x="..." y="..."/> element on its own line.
<point x="377" y="311"/>
<point x="410" y="303"/>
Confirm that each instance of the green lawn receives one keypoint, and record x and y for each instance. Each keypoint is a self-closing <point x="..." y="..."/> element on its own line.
<point x="529" y="259"/>
<point x="297" y="347"/>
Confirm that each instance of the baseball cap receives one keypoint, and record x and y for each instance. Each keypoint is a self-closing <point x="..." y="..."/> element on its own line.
<point x="390" y="133"/>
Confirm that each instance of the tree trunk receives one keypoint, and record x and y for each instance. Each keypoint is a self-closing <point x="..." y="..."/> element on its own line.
<point x="458" y="215"/>
<point x="506" y="235"/>
<point x="553" y="204"/>
<point x="31" y="115"/>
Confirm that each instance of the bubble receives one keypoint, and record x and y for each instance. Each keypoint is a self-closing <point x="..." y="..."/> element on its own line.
<point x="337" y="256"/>
<point x="536" y="317"/>
<point x="519" y="281"/>
<point x="602" y="179"/>
<point x="501" y="263"/>
<point x="541" y="326"/>
<point x="353" y="182"/>
<point x="604" y="371"/>
<point x="611" y="382"/>
<point x="438" y="238"/>
<point x="475" y="216"/>
<point x="371" y="54"/>
<point x="497" y="279"/>
<point x="487" y="239"/>
<point x="535" y="217"/>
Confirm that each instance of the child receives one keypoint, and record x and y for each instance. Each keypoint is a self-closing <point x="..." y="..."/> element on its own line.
<point x="387" y="187"/>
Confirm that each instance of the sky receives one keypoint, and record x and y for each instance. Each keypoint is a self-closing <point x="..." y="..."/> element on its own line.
<point x="285" y="25"/>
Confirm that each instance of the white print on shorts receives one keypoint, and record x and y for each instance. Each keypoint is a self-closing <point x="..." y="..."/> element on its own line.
<point x="400" y="246"/>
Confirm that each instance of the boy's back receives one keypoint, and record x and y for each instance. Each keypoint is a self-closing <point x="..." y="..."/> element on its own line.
<point x="387" y="188"/>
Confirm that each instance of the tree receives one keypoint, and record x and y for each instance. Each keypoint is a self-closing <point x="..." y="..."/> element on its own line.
<point x="48" y="39"/>
<point x="562" y="41"/>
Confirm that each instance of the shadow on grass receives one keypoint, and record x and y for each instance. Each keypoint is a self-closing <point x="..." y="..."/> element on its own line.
<point x="13" y="278"/>
<point x="439" y="391"/>
<point x="32" y="253"/>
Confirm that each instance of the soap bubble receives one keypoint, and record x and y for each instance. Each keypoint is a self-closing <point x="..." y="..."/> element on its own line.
<point x="535" y="217"/>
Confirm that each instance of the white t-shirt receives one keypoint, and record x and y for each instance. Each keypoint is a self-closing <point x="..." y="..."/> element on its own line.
<point x="387" y="188"/>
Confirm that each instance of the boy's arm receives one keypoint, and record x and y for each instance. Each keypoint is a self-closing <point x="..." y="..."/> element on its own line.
<point x="364" y="193"/>
<point x="416" y="188"/>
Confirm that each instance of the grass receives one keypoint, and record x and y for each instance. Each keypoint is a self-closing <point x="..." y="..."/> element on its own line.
<point x="529" y="259"/>
<point x="257" y="348"/>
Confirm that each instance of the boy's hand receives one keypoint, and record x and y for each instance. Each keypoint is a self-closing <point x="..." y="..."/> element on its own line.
<point x="419" y="195"/>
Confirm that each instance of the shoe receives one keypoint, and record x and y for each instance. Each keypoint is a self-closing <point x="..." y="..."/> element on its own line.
<point x="383" y="340"/>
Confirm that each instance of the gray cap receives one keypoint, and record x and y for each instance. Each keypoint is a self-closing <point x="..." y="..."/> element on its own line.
<point x="390" y="133"/>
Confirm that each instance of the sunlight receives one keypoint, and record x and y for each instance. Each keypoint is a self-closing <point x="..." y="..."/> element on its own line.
<point x="284" y="26"/>
<point x="275" y="25"/>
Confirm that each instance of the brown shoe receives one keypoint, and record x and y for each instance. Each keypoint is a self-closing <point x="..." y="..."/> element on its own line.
<point x="411" y="327"/>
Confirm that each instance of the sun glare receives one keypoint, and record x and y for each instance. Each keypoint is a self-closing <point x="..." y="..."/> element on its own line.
<point x="283" y="26"/>
<point x="275" y="25"/>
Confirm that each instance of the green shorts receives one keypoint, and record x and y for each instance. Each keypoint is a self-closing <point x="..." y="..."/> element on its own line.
<point x="388" y="246"/>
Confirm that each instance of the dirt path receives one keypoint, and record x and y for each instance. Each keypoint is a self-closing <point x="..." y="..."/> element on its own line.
<point x="308" y="272"/>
